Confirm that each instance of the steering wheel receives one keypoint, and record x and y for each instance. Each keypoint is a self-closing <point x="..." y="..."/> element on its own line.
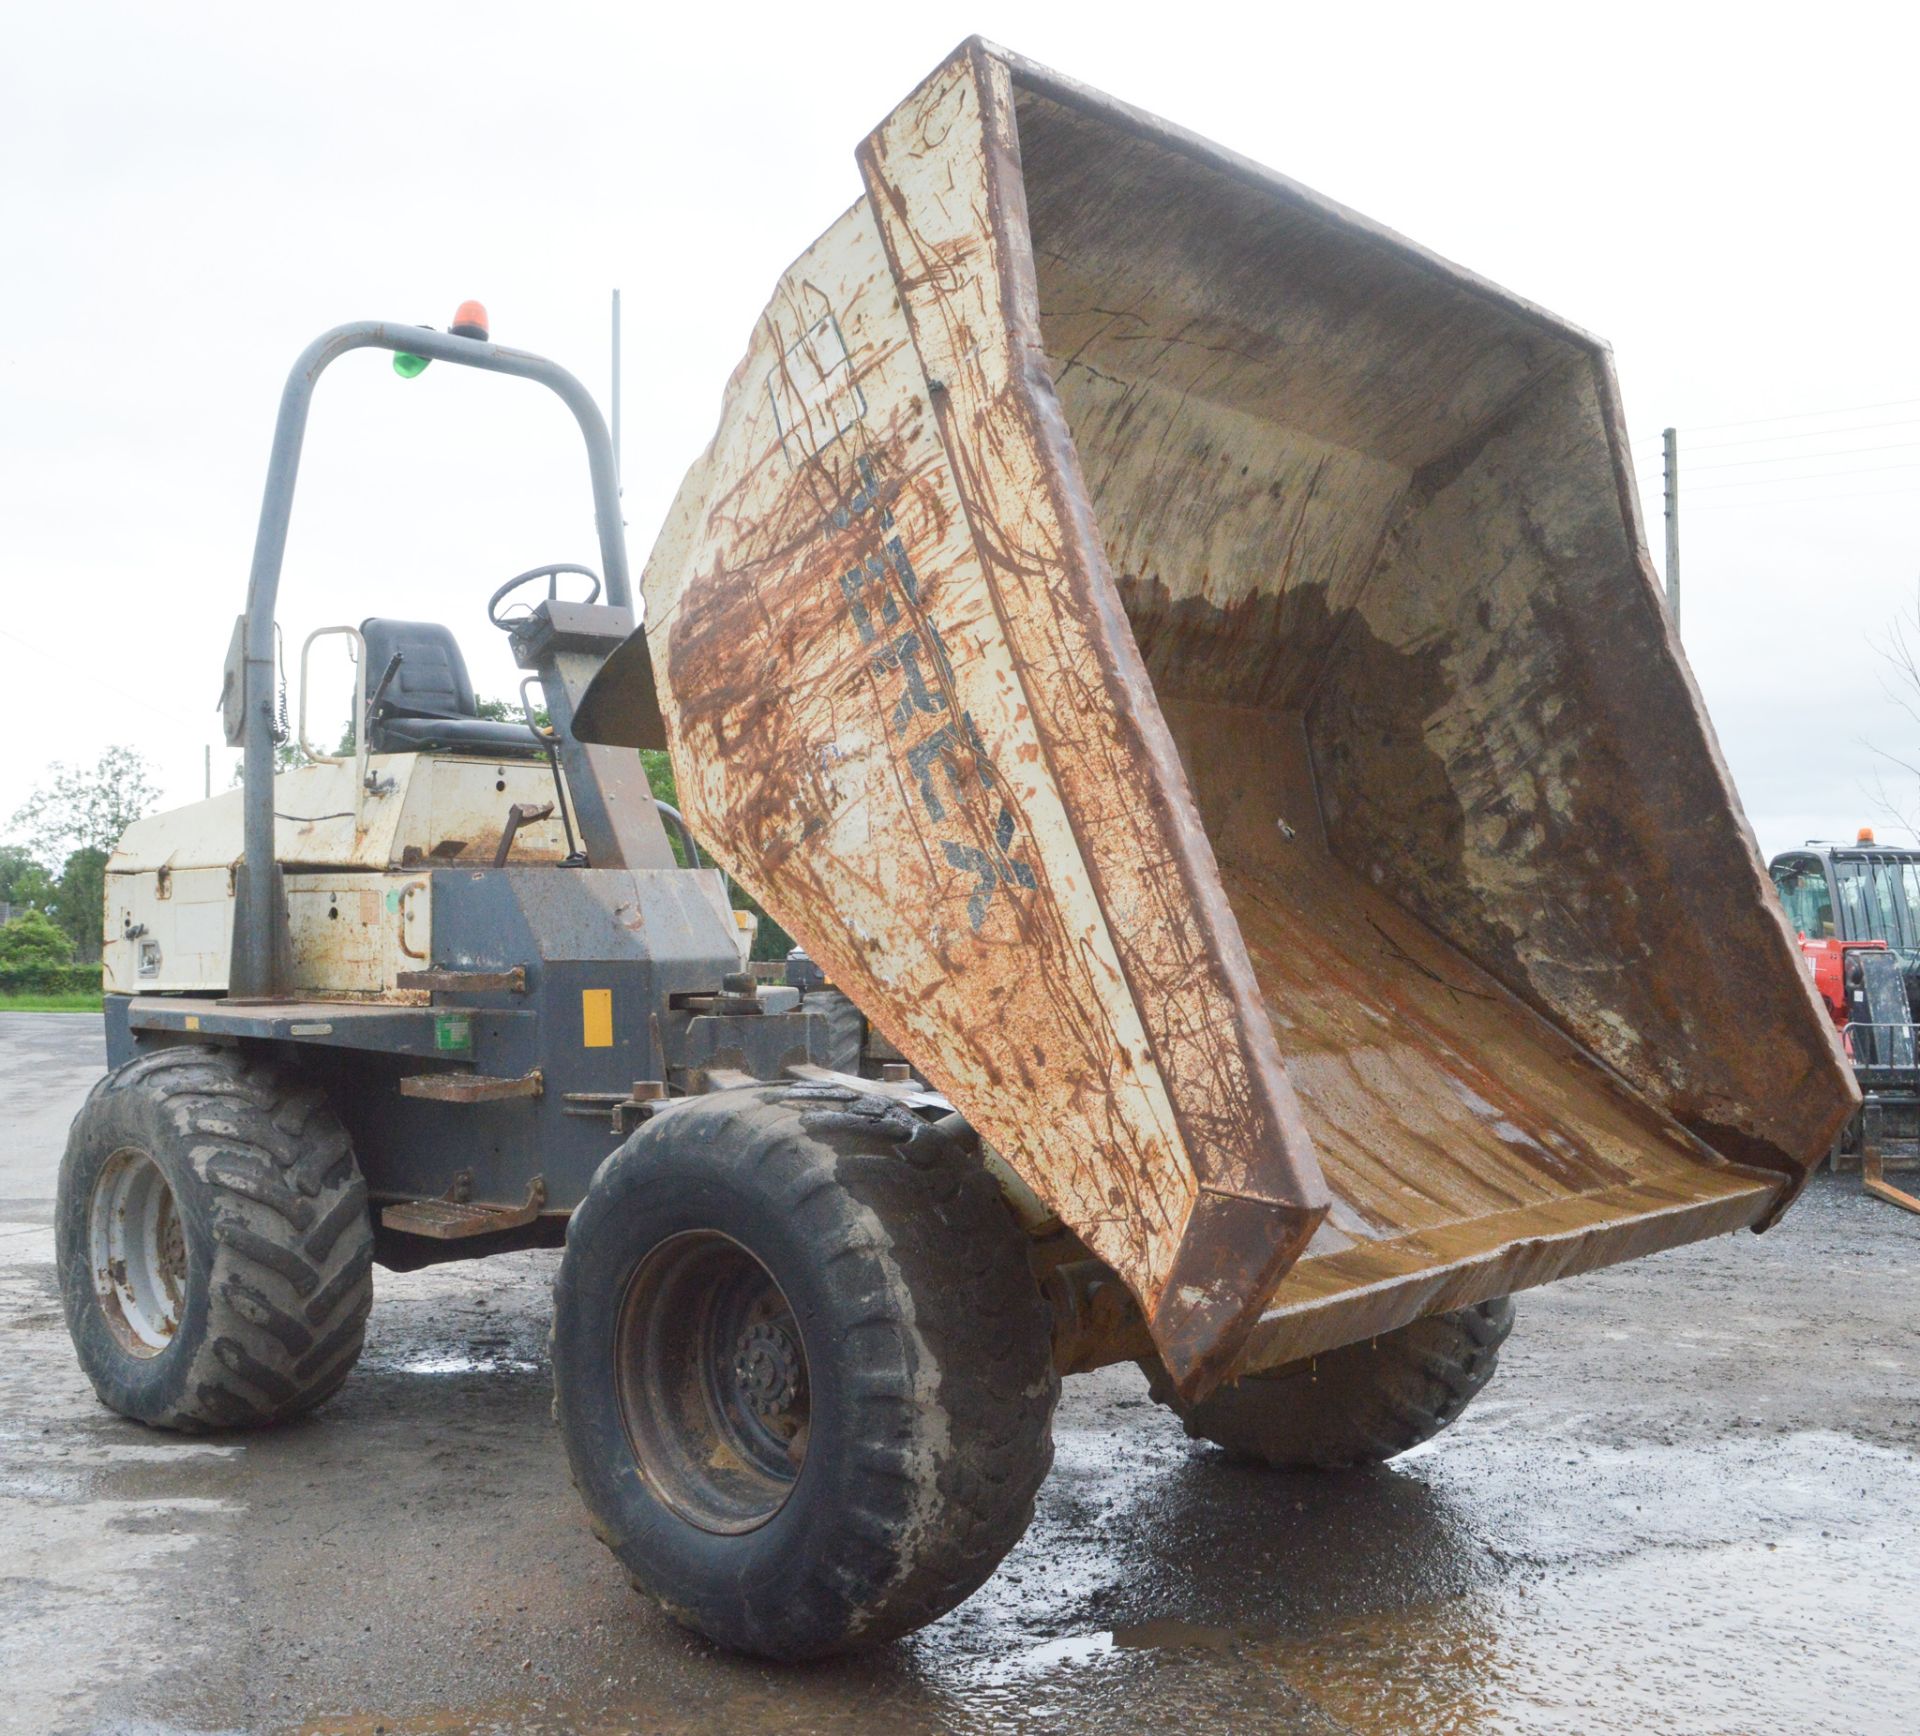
<point x="506" y="623"/>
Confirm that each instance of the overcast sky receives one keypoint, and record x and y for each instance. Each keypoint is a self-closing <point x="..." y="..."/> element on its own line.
<point x="189" y="193"/>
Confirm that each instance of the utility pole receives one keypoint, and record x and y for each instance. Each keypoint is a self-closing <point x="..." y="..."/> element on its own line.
<point x="616" y="388"/>
<point x="1670" y="443"/>
<point x="209" y="772"/>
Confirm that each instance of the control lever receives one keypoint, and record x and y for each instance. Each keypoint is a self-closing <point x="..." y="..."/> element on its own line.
<point x="520" y="814"/>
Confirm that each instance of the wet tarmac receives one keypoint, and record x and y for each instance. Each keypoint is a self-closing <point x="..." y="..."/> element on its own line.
<point x="1687" y="1503"/>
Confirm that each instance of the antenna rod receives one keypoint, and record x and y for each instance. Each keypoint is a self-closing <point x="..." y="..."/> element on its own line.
<point x="616" y="388"/>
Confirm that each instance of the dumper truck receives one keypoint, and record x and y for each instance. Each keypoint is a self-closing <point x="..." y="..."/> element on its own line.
<point x="1183" y="662"/>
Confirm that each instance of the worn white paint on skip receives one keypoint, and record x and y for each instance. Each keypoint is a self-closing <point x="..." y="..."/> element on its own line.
<point x="1224" y="508"/>
<point x="816" y="397"/>
<point x="1090" y="1123"/>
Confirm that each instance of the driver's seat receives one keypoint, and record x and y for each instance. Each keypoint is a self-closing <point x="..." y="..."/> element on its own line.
<point x="429" y="702"/>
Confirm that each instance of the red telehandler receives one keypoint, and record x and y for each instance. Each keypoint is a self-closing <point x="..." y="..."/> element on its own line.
<point x="1856" y="909"/>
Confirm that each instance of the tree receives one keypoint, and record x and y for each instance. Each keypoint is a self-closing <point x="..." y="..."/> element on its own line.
<point x="770" y="940"/>
<point x="289" y="756"/>
<point x="86" y="807"/>
<point x="80" y="900"/>
<point x="33" y="942"/>
<point x="659" y="769"/>
<point x="509" y="711"/>
<point x="24" y="884"/>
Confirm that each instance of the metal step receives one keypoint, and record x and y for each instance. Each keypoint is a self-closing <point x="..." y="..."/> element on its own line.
<point x="454" y="1220"/>
<point x="469" y="1087"/>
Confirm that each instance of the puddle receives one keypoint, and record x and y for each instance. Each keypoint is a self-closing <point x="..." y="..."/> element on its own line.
<point x="1749" y="1586"/>
<point x="1789" y="1637"/>
<point x="1069" y="1649"/>
<point x="1169" y="1633"/>
<point x="461" y="1365"/>
<point x="1164" y="1633"/>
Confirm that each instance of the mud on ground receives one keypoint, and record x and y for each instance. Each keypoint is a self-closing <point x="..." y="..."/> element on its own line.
<point x="1685" y="1504"/>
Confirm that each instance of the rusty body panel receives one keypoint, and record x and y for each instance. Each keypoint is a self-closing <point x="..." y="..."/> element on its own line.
<point x="171" y="880"/>
<point x="1185" y="661"/>
<point x="351" y="934"/>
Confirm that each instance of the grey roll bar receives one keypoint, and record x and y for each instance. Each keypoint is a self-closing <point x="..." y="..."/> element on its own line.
<point x="255" y="968"/>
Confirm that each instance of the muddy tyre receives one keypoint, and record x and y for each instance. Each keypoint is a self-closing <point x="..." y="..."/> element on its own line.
<point x="214" y="1247"/>
<point x="846" y="1030"/>
<point x="802" y="1368"/>
<point x="1359" y="1405"/>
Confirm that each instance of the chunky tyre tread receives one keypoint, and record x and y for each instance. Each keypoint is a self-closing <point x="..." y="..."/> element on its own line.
<point x="846" y="1029"/>
<point x="1359" y="1405"/>
<point x="940" y="1342"/>
<point x="278" y="1233"/>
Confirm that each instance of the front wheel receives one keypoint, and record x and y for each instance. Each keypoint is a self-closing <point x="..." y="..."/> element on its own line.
<point x="214" y="1246"/>
<point x="1359" y="1405"/>
<point x="802" y="1368"/>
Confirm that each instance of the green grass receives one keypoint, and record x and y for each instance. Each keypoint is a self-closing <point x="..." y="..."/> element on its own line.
<point x="82" y="1003"/>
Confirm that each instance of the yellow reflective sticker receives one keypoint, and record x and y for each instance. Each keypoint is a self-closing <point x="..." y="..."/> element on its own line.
<point x="596" y="1018"/>
<point x="193" y="1021"/>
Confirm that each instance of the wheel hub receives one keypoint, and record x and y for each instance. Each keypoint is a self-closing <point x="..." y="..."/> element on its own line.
<point x="766" y="1368"/>
<point x="710" y="1369"/>
<point x="139" y="1253"/>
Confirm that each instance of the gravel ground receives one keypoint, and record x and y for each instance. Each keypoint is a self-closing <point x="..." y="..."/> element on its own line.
<point x="1685" y="1504"/>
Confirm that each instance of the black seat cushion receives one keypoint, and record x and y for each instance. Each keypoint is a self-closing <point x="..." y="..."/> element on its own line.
<point x="432" y="678"/>
<point x="455" y="734"/>
<point x="429" y="701"/>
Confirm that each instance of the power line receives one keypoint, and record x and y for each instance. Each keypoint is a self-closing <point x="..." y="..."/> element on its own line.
<point x="1801" y="457"/>
<point x="1801" y="416"/>
<point x="1909" y="493"/>
<point x="1809" y="434"/>
<point x="1804" y="476"/>
<point x="176" y="718"/>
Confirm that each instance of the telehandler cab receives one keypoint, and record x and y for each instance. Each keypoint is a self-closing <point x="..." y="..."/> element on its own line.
<point x="1856" y="911"/>
<point x="1184" y="663"/>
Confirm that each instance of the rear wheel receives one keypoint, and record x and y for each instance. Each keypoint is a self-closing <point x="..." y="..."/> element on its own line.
<point x="213" y="1242"/>
<point x="1358" y="1405"/>
<point x="846" y="1049"/>
<point x="802" y="1368"/>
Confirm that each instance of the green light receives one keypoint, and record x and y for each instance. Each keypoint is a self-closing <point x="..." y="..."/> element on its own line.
<point x="409" y="367"/>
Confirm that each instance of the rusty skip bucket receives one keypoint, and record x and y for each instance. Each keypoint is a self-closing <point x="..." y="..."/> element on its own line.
<point x="1185" y="661"/>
